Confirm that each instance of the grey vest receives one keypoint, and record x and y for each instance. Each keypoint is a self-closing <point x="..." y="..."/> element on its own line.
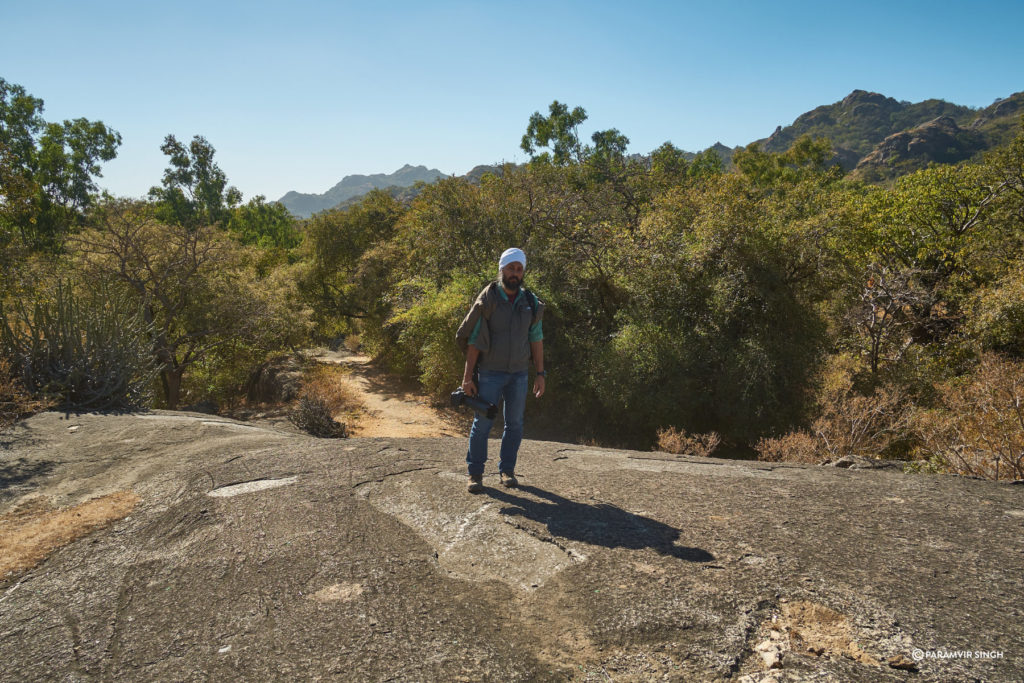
<point x="504" y="338"/>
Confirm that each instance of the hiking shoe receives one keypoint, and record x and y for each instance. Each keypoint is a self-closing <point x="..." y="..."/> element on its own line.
<point x="508" y="480"/>
<point x="476" y="483"/>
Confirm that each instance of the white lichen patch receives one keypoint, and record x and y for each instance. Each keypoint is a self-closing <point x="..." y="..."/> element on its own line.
<point x="338" y="592"/>
<point x="251" y="487"/>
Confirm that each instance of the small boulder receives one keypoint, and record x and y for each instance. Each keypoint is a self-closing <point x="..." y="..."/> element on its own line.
<point x="902" y="663"/>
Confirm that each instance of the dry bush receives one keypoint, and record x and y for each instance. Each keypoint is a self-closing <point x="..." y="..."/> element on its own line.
<point x="15" y="401"/>
<point x="978" y="430"/>
<point x="323" y="395"/>
<point x="672" y="440"/>
<point x="796" y="446"/>
<point x="312" y="415"/>
<point x="854" y="424"/>
<point x="848" y="423"/>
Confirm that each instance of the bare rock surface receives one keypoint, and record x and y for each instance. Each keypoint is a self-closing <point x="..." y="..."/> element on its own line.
<point x="257" y="554"/>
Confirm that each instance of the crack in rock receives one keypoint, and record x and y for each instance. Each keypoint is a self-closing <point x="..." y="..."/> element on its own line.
<point x="595" y="460"/>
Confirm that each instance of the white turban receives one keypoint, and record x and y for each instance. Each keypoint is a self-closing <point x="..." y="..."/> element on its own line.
<point x="511" y="256"/>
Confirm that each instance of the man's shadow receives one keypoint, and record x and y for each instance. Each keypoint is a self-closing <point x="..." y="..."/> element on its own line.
<point x="601" y="524"/>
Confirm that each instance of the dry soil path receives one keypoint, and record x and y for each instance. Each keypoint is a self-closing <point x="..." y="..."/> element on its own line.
<point x="391" y="408"/>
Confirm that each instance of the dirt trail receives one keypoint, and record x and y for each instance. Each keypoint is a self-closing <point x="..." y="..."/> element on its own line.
<point x="392" y="408"/>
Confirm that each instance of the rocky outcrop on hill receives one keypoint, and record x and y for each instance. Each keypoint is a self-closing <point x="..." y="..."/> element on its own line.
<point x="940" y="140"/>
<point x="860" y="121"/>
<point x="254" y="554"/>
<point x="476" y="174"/>
<point x="882" y="138"/>
<point x="1000" y="122"/>
<point x="1010" y="107"/>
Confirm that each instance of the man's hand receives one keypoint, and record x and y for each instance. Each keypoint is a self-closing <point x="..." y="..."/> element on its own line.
<point x="538" y="386"/>
<point x="468" y="385"/>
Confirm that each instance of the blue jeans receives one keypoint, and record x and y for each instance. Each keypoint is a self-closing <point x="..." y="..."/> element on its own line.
<point x="493" y="386"/>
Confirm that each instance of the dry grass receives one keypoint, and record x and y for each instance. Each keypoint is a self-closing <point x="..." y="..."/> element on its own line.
<point x="817" y="630"/>
<point x="325" y="383"/>
<point x="34" y="528"/>
<point x="679" y="441"/>
<point x="797" y="446"/>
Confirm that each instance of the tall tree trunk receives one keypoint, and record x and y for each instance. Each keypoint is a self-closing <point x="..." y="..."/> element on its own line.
<point x="171" y="380"/>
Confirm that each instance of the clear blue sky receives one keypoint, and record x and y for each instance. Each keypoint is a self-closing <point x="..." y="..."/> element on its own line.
<point x="297" y="95"/>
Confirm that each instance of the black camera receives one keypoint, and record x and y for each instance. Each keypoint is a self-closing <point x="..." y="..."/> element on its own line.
<point x="460" y="397"/>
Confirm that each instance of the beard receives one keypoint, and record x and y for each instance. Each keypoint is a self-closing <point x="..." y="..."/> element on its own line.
<point x="511" y="283"/>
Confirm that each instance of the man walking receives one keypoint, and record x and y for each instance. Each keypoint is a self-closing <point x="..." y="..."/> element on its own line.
<point x="504" y="332"/>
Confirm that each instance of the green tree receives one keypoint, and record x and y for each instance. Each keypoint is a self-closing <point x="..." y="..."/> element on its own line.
<point x="48" y="169"/>
<point x="609" y="145"/>
<point x="559" y="130"/>
<point x="18" y="208"/>
<point x="705" y="164"/>
<point x="194" y="190"/>
<point x="196" y="288"/>
<point x="669" y="166"/>
<point x="334" y="278"/>
<point x="268" y="225"/>
<point x="807" y="156"/>
<point x="719" y="328"/>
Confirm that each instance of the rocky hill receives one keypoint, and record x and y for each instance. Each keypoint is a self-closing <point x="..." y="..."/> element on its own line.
<point x="882" y="137"/>
<point x="305" y="205"/>
<point x="1000" y="121"/>
<point x="233" y="551"/>
<point x="861" y="120"/>
<point x="938" y="141"/>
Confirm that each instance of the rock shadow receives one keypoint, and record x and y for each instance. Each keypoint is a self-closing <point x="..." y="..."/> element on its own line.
<point x="13" y="473"/>
<point x="600" y="524"/>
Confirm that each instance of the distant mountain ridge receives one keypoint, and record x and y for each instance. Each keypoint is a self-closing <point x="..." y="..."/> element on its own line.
<point x="305" y="205"/>
<point x="874" y="136"/>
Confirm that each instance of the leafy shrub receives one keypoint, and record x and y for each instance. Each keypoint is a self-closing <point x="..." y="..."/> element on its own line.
<point x="90" y="353"/>
<point x="426" y="334"/>
<point x="673" y="440"/>
<point x="978" y="428"/>
<point x="999" y="315"/>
